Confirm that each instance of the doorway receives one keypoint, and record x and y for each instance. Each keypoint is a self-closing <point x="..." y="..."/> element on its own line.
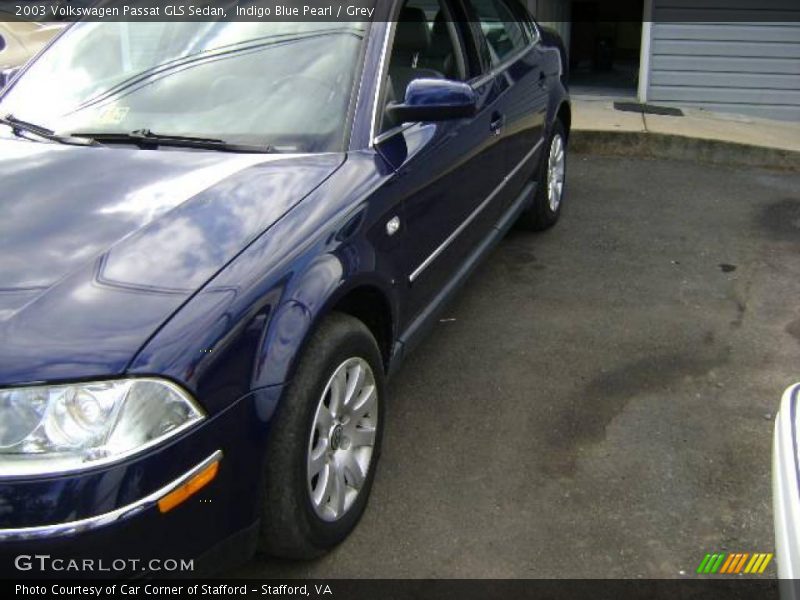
<point x="605" y="47"/>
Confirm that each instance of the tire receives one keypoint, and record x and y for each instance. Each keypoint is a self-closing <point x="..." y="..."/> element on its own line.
<point x="543" y="213"/>
<point x="293" y="524"/>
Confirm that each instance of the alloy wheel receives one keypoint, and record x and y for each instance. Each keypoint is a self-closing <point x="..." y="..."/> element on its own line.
<point x="555" y="172"/>
<point x="342" y="439"/>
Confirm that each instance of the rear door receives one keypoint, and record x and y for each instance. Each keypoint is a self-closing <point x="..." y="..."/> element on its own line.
<point x="510" y="42"/>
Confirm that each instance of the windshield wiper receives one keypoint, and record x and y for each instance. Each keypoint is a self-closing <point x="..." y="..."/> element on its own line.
<point x="18" y="126"/>
<point x="144" y="138"/>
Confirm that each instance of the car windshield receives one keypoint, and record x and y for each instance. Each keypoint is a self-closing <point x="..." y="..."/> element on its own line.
<point x="286" y="85"/>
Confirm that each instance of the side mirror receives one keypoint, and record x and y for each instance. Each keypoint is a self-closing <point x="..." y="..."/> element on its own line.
<point x="435" y="100"/>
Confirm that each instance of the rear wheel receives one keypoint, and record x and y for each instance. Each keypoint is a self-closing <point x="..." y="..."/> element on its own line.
<point x="546" y="207"/>
<point x="325" y="442"/>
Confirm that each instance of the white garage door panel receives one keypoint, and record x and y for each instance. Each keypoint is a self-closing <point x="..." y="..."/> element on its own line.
<point x="726" y="10"/>
<point x="726" y="64"/>
<point x="730" y="32"/>
<point x="745" y="96"/>
<point x="704" y="49"/>
<point x="727" y="5"/>
<point x="745" y="80"/>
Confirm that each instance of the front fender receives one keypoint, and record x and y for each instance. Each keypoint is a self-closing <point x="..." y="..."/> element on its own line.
<point x="316" y="293"/>
<point x="245" y="329"/>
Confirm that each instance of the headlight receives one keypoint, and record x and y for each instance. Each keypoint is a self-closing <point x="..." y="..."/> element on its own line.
<point x="56" y="428"/>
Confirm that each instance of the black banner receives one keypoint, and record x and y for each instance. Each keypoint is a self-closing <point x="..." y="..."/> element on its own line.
<point x="717" y="11"/>
<point x="733" y="588"/>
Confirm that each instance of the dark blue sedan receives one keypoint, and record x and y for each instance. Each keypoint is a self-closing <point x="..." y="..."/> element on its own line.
<point x="218" y="240"/>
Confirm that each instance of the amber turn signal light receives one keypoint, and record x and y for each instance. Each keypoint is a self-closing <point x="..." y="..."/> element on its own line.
<point x="188" y="489"/>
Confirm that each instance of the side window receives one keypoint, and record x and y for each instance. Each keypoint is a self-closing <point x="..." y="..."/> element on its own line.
<point x="503" y="31"/>
<point x="528" y="22"/>
<point x="426" y="44"/>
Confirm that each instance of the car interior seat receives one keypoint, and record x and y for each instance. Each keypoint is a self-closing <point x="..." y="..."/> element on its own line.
<point x="440" y="55"/>
<point x="412" y="45"/>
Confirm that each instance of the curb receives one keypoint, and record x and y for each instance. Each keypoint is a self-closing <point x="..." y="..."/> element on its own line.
<point x="677" y="147"/>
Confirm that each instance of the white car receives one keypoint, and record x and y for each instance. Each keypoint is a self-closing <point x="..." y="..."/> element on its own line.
<point x="786" y="491"/>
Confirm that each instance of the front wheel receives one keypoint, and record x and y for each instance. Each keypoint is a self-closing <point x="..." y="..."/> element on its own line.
<point x="546" y="207"/>
<point x="324" y="443"/>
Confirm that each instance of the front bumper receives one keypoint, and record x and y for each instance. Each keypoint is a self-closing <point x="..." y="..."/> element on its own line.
<point x="44" y="532"/>
<point x="786" y="490"/>
<point x="109" y="516"/>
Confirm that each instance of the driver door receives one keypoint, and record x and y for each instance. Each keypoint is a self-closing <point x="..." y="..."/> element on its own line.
<point x="451" y="169"/>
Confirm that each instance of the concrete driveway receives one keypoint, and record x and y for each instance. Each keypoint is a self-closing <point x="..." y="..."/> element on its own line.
<point x="599" y="400"/>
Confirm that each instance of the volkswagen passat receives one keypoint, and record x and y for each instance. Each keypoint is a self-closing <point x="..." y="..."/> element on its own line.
<point x="219" y="239"/>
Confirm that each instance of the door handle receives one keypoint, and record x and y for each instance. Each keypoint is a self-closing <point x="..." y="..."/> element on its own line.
<point x="497" y="123"/>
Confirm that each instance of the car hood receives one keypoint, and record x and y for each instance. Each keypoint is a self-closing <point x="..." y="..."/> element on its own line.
<point x="100" y="246"/>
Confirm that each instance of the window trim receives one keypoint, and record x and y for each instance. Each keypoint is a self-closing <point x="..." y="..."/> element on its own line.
<point x="383" y="71"/>
<point x="479" y="38"/>
<point x="536" y="30"/>
<point x="357" y="89"/>
<point x="525" y="16"/>
<point x="514" y="11"/>
<point x="503" y="66"/>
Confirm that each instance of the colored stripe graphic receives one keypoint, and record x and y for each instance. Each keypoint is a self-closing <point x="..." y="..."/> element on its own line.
<point x="760" y="563"/>
<point x="734" y="563"/>
<point x="715" y="567"/>
<point x="710" y="563"/>
<point x="703" y="563"/>
<point x="765" y="563"/>
<point x="740" y="564"/>
<point x="749" y="567"/>
<point x="727" y="563"/>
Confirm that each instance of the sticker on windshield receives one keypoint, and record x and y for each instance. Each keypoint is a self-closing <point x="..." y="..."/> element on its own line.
<point x="112" y="115"/>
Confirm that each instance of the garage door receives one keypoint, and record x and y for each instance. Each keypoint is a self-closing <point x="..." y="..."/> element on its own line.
<point x="738" y="56"/>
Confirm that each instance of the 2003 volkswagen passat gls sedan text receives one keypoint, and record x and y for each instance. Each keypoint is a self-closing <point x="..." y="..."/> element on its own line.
<point x="218" y="239"/>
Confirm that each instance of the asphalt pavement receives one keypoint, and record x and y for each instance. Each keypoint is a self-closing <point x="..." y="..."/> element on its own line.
<point x="599" y="399"/>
